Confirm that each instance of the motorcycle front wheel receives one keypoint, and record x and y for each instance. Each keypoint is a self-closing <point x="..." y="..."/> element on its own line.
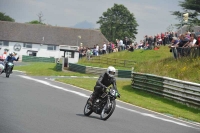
<point x="8" y="72"/>
<point x="108" y="110"/>
<point x="87" y="109"/>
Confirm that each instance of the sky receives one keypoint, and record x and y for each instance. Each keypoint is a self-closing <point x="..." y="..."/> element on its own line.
<point x="153" y="16"/>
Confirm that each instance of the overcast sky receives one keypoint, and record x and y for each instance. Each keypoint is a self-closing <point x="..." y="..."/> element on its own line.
<point x="153" y="16"/>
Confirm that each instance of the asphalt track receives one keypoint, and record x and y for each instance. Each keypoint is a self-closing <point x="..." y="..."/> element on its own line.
<point x="39" y="105"/>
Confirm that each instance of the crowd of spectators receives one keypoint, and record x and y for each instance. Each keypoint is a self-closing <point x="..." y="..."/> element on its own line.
<point x="172" y="39"/>
<point x="106" y="48"/>
<point x="187" y="44"/>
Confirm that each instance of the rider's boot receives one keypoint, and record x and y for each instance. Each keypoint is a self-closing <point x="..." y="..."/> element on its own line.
<point x="11" y="70"/>
<point x="91" y="100"/>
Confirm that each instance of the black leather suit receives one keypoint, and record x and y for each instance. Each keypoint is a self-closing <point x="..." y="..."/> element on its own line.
<point x="104" y="81"/>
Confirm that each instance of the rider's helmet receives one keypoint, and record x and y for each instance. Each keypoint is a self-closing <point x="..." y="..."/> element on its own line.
<point x="111" y="71"/>
<point x="10" y="54"/>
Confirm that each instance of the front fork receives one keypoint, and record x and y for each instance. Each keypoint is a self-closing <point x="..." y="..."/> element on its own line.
<point x="108" y="103"/>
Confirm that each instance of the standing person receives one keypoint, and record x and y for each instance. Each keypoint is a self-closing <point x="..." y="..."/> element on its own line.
<point x="126" y="42"/>
<point x="109" y="47"/>
<point x="88" y="53"/>
<point x="97" y="50"/>
<point x="104" y="48"/>
<point x="121" y="45"/>
<point x="150" y="41"/>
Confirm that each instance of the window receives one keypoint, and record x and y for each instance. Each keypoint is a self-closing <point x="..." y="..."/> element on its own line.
<point x="70" y="54"/>
<point x="4" y="43"/>
<point x="27" y="45"/>
<point x="51" y="47"/>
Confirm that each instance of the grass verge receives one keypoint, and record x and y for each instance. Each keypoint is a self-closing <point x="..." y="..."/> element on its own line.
<point x="143" y="99"/>
<point x="158" y="62"/>
<point x="45" y="69"/>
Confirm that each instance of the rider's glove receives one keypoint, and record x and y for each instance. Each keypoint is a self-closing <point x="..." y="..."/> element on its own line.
<point x="119" y="95"/>
<point x="105" y="87"/>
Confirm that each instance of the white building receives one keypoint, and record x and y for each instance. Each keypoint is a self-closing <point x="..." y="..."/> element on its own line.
<point x="44" y="41"/>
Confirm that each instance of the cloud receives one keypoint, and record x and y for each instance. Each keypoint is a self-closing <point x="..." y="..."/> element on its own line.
<point x="152" y="16"/>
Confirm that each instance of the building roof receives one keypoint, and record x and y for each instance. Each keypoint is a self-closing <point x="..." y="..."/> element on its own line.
<point x="185" y="29"/>
<point x="45" y="34"/>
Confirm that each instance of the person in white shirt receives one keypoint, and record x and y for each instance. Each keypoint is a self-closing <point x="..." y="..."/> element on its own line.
<point x="97" y="50"/>
<point x="104" y="48"/>
<point x="122" y="46"/>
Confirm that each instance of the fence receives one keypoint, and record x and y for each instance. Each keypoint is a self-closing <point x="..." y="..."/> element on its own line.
<point x="113" y="62"/>
<point x="97" y="70"/>
<point x="180" y="91"/>
<point x="191" y="52"/>
<point x="37" y="59"/>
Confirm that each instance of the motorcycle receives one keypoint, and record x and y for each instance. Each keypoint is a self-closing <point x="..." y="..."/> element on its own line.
<point x="104" y="104"/>
<point x="9" y="68"/>
<point x="1" y="68"/>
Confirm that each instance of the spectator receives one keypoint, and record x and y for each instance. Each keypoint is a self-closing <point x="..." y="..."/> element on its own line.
<point x="122" y="46"/>
<point x="150" y="42"/>
<point x="198" y="41"/>
<point x="126" y="42"/>
<point x="183" y="41"/>
<point x="97" y="50"/>
<point x="130" y="48"/>
<point x="88" y="53"/>
<point x="140" y="46"/>
<point x="109" y="47"/>
<point x="173" y="47"/>
<point x="104" y="48"/>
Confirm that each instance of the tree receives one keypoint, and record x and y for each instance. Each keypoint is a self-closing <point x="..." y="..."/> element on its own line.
<point x="4" y="17"/>
<point x="39" y="21"/>
<point x="192" y="21"/>
<point x="118" y="22"/>
<point x="192" y="7"/>
<point x="170" y="28"/>
<point x="35" y="22"/>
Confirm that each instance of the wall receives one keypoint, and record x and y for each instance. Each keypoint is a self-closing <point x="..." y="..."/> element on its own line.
<point x="42" y="50"/>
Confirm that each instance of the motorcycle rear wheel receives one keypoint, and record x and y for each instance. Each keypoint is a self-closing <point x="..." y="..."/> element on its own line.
<point x="87" y="109"/>
<point x="8" y="73"/>
<point x="106" y="113"/>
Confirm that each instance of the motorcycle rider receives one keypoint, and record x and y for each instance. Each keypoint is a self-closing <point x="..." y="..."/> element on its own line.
<point x="10" y="58"/>
<point x="104" y="81"/>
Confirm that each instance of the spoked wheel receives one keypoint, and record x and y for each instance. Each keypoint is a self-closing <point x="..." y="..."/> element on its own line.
<point x="87" y="110"/>
<point x="108" y="110"/>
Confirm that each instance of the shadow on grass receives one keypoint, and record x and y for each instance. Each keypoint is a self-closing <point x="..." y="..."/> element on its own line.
<point x="159" y="98"/>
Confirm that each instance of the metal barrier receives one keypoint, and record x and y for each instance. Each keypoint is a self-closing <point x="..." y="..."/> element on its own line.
<point x="97" y="70"/>
<point x="191" y="52"/>
<point x="112" y="61"/>
<point x="178" y="90"/>
<point x="37" y="59"/>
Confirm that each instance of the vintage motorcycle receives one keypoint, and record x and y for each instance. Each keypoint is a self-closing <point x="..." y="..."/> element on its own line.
<point x="104" y="104"/>
<point x="9" y="68"/>
<point x="1" y="68"/>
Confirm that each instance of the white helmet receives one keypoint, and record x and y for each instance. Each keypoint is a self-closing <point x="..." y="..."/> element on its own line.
<point x="10" y="53"/>
<point x="111" y="71"/>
